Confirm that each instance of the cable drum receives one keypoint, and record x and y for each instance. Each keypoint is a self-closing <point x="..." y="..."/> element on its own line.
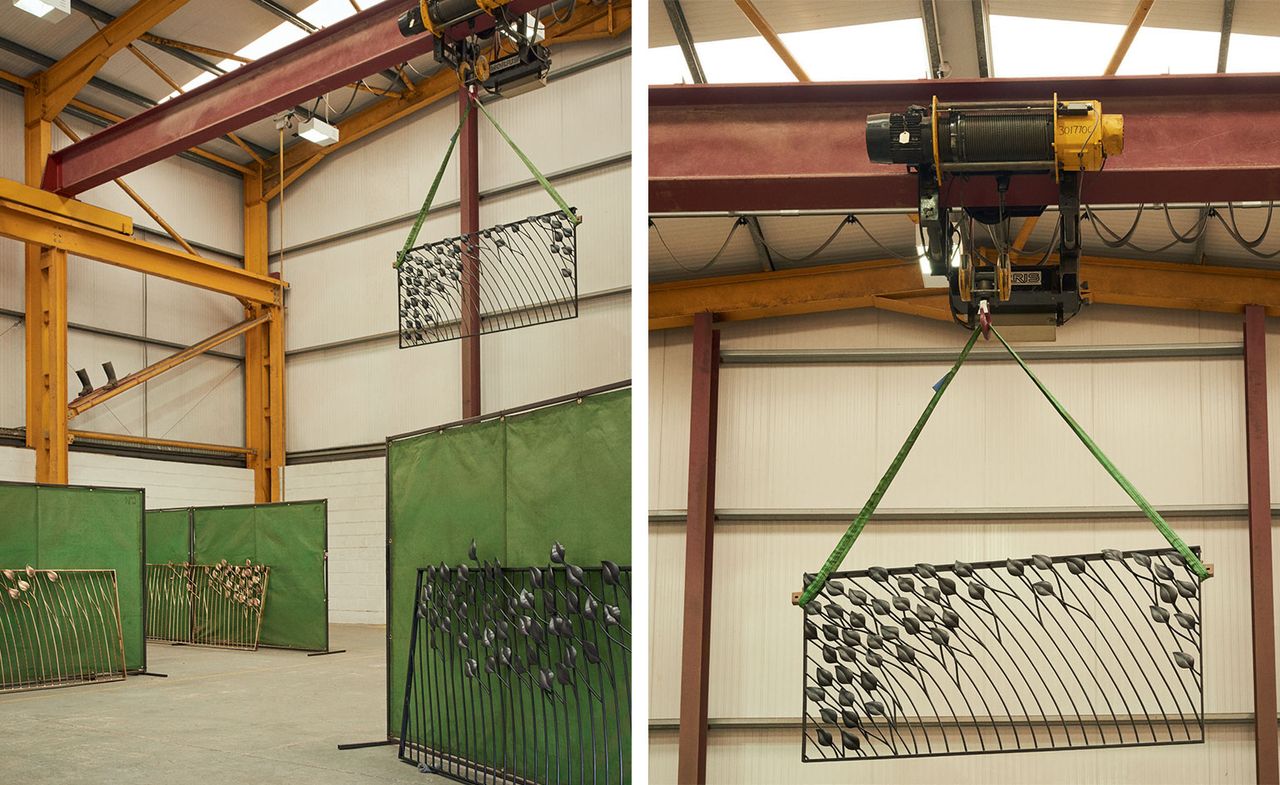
<point x="975" y="138"/>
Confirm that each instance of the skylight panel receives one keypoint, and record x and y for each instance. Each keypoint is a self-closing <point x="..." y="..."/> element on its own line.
<point x="1023" y="46"/>
<point x="742" y="60"/>
<point x="321" y="13"/>
<point x="1253" y="54"/>
<point x="868" y="52"/>
<point x="1163" y="50"/>
<point x="666" y="65"/>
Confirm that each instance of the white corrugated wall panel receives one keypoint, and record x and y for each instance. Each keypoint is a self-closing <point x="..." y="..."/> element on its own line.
<point x="669" y="486"/>
<point x="202" y="400"/>
<point x="347" y="288"/>
<point x="582" y="117"/>
<point x="184" y="314"/>
<point x="363" y="393"/>
<point x="534" y="364"/>
<point x="356" y="491"/>
<point x="604" y="236"/>
<point x="819" y="436"/>
<point x="13" y="393"/>
<point x="127" y="412"/>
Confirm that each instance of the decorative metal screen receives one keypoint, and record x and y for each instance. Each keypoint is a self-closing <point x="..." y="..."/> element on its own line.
<point x="218" y="605"/>
<point x="528" y="274"/>
<point x="521" y="674"/>
<point x="59" y="628"/>
<point x="1042" y="653"/>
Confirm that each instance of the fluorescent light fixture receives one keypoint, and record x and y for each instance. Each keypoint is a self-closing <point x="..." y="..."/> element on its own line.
<point x="318" y="132"/>
<point x="52" y="10"/>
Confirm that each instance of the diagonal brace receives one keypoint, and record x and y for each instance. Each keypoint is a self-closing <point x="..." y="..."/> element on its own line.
<point x="86" y="402"/>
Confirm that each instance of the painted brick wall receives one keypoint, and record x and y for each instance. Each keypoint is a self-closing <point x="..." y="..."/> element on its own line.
<point x="356" y="491"/>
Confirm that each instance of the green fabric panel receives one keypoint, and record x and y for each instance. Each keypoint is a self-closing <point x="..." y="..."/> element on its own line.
<point x="445" y="489"/>
<point x="558" y="473"/>
<point x="569" y="479"/>
<point x="290" y="539"/>
<point x="168" y="536"/>
<point x="99" y="528"/>
<point x="18" y="526"/>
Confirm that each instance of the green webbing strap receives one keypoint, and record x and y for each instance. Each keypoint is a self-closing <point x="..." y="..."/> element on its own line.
<point x="431" y="195"/>
<point x="1121" y="480"/>
<point x="846" y="542"/>
<point x="537" y="175"/>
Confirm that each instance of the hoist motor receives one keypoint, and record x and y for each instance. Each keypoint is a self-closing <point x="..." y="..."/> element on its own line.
<point x="999" y="139"/>
<point x="505" y="59"/>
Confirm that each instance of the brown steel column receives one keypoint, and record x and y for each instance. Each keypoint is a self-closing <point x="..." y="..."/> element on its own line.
<point x="469" y="208"/>
<point x="1264" y="636"/>
<point x="699" y="535"/>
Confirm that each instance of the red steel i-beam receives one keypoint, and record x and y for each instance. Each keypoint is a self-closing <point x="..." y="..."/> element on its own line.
<point x="338" y="55"/>
<point x="1260" y="570"/>
<point x="699" y="535"/>
<point x="1212" y="137"/>
<point x="469" y="209"/>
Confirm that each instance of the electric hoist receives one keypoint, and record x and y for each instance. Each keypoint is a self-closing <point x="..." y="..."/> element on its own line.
<point x="506" y="58"/>
<point x="999" y="139"/>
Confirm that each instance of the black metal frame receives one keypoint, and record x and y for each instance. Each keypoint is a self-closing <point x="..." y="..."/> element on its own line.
<point x="511" y="641"/>
<point x="526" y="284"/>
<point x="877" y="663"/>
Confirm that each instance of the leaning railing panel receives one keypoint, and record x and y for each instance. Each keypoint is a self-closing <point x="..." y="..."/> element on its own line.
<point x="520" y="674"/>
<point x="219" y="605"/>
<point x="1039" y="653"/>
<point x="59" y="628"/>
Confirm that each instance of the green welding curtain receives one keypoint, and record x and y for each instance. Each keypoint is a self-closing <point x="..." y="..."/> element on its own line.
<point x="67" y="528"/>
<point x="169" y="536"/>
<point x="290" y="538"/>
<point x="514" y="485"/>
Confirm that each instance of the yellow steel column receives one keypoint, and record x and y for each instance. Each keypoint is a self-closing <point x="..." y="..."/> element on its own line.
<point x="263" y="359"/>
<point x="46" y="319"/>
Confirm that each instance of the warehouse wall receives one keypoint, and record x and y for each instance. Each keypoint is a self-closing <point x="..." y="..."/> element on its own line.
<point x="201" y="401"/>
<point x="816" y="438"/>
<point x="347" y="380"/>
<point x="357" y="494"/>
<point x="167" y="483"/>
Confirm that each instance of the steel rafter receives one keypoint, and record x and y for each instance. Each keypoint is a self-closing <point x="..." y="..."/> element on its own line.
<point x="326" y="60"/>
<point x="802" y="146"/>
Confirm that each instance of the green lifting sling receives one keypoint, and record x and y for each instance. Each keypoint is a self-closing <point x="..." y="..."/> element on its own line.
<point x="846" y="542"/>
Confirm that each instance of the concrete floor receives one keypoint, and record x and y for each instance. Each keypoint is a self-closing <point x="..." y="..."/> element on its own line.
<point x="266" y="718"/>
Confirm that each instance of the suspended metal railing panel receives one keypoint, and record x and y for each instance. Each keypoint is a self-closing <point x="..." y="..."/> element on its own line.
<point x="527" y="275"/>
<point x="1041" y="653"/>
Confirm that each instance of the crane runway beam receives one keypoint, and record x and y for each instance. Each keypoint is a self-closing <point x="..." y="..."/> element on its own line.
<point x="802" y="146"/>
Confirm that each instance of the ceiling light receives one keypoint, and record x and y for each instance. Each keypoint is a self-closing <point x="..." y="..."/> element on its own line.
<point x="52" y="10"/>
<point x="319" y="132"/>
